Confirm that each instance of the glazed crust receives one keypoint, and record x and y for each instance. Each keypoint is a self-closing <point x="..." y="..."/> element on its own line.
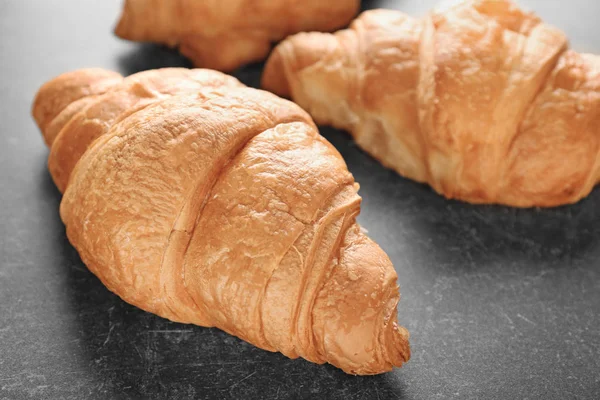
<point x="481" y="100"/>
<point x="198" y="199"/>
<point x="226" y="34"/>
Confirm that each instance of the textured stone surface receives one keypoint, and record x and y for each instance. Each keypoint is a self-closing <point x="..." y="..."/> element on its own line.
<point x="501" y="303"/>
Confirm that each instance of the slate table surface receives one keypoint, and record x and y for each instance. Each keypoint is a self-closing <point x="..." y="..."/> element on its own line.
<point x="501" y="303"/>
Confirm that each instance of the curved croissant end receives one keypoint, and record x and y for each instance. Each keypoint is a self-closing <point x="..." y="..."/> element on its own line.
<point x="100" y="98"/>
<point x="67" y="92"/>
<point x="480" y="100"/>
<point x="227" y="34"/>
<point x="201" y="200"/>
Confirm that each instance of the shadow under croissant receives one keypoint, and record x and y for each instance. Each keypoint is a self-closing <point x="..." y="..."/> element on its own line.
<point x="145" y="56"/>
<point x="488" y="232"/>
<point x="148" y="56"/>
<point x="374" y="4"/>
<point x="127" y="352"/>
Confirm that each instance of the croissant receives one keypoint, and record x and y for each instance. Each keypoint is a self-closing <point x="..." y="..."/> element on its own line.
<point x="481" y="100"/>
<point x="204" y="201"/>
<point x="226" y="34"/>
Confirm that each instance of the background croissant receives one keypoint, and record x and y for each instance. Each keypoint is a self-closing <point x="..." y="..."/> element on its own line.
<point x="481" y="100"/>
<point x="201" y="200"/>
<point x="225" y="34"/>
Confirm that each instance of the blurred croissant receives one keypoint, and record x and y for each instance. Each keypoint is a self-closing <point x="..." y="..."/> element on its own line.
<point x="481" y="100"/>
<point x="226" y="34"/>
<point x="198" y="199"/>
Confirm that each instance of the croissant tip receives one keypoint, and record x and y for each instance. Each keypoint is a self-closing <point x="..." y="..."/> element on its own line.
<point x="119" y="29"/>
<point x="274" y="78"/>
<point x="401" y="342"/>
<point x="35" y="114"/>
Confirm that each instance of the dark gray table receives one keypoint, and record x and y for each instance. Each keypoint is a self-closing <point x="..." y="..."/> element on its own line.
<point x="501" y="303"/>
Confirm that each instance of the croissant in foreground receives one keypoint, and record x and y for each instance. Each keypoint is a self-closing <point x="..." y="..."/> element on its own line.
<point x="227" y="34"/>
<point x="482" y="100"/>
<point x="198" y="199"/>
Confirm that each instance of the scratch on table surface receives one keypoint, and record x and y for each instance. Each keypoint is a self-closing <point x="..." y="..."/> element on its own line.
<point x="242" y="380"/>
<point x="79" y="268"/>
<point x="526" y="319"/>
<point x="31" y="376"/>
<point x="148" y="361"/>
<point x="171" y="331"/>
<point x="215" y="364"/>
<point x="328" y="373"/>
<point x="376" y="390"/>
<point x="48" y="288"/>
<point x="138" y="351"/>
<point x="110" y="329"/>
<point x="508" y="318"/>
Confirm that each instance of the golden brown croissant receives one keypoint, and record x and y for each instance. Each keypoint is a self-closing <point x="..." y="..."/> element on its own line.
<point x="225" y="34"/>
<point x="201" y="200"/>
<point x="482" y="100"/>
